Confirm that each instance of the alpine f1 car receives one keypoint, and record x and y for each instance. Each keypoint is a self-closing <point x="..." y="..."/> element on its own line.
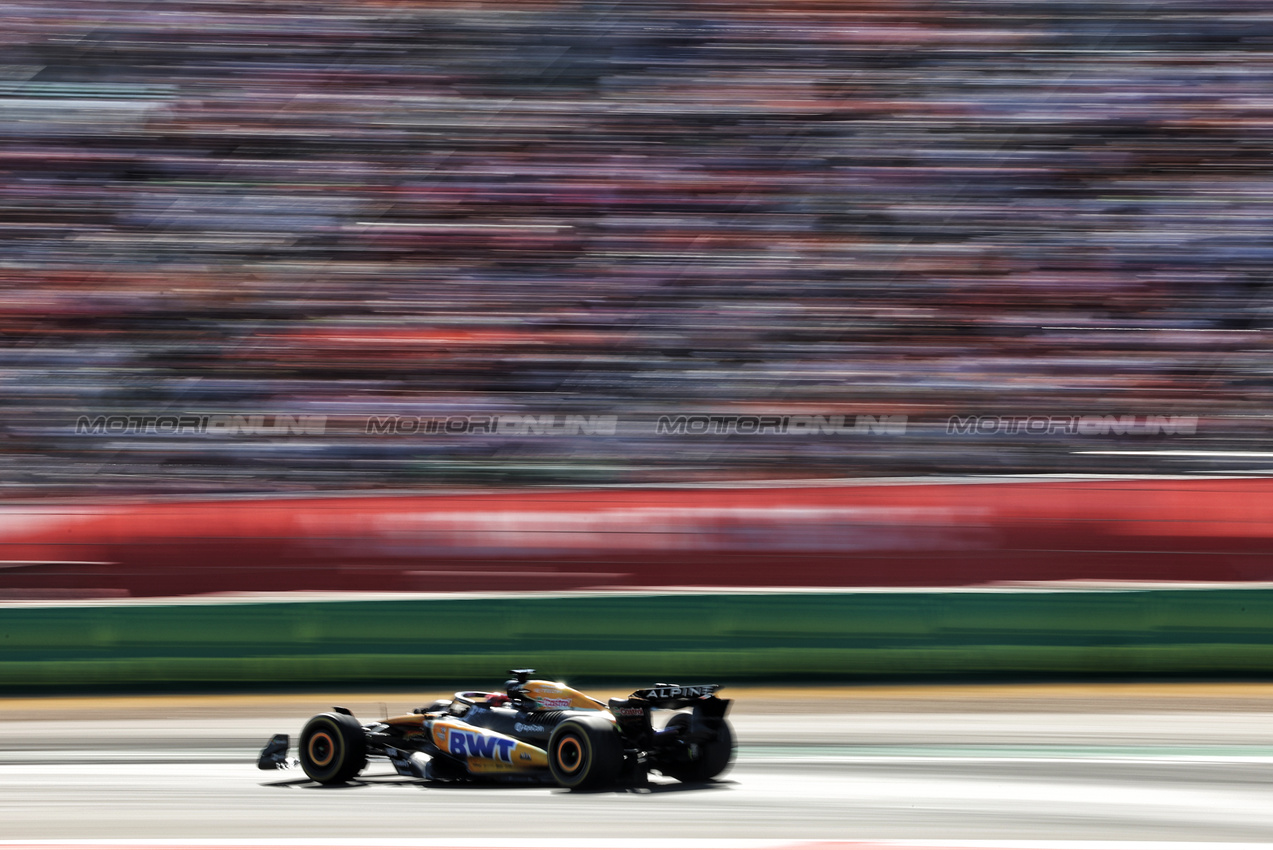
<point x="534" y="730"/>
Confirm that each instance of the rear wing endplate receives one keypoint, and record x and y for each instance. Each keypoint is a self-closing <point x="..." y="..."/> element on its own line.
<point x="674" y="696"/>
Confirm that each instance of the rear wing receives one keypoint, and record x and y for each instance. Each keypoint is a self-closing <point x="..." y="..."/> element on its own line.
<point x="674" y="696"/>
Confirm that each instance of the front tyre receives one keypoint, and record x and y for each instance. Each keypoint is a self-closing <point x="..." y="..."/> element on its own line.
<point x="585" y="753"/>
<point x="705" y="761"/>
<point x="333" y="749"/>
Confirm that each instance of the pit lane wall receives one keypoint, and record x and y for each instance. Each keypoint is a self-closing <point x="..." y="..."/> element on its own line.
<point x="722" y="637"/>
<point x="867" y="535"/>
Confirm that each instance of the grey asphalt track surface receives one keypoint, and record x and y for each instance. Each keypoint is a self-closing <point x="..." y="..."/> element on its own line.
<point x="1165" y="764"/>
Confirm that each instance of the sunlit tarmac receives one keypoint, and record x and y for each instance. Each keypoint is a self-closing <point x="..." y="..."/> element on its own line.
<point x="1030" y="763"/>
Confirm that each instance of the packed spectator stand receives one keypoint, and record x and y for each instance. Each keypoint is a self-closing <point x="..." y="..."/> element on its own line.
<point x="359" y="210"/>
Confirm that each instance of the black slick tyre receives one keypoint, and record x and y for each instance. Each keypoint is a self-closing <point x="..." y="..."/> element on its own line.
<point x="704" y="761"/>
<point x="333" y="749"/>
<point x="585" y="753"/>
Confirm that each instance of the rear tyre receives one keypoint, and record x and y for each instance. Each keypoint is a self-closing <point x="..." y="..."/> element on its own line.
<point x="333" y="749"/>
<point x="585" y="753"/>
<point x="704" y="761"/>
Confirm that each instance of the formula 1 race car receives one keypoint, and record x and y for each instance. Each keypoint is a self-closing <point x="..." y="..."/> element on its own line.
<point x="534" y="730"/>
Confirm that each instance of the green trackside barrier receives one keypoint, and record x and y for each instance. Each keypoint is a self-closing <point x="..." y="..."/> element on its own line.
<point x="726" y="637"/>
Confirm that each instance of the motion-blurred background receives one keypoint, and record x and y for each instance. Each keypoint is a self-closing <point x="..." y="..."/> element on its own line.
<point x="357" y="209"/>
<point x="633" y="295"/>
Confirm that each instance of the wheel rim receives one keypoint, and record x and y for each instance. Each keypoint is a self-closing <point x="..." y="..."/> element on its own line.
<point x="569" y="754"/>
<point x="321" y="749"/>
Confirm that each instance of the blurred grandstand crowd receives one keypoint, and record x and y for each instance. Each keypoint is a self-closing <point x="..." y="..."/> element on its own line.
<point x="357" y="209"/>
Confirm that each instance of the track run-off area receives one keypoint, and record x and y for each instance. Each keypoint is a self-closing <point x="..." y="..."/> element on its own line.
<point x="1118" y="766"/>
